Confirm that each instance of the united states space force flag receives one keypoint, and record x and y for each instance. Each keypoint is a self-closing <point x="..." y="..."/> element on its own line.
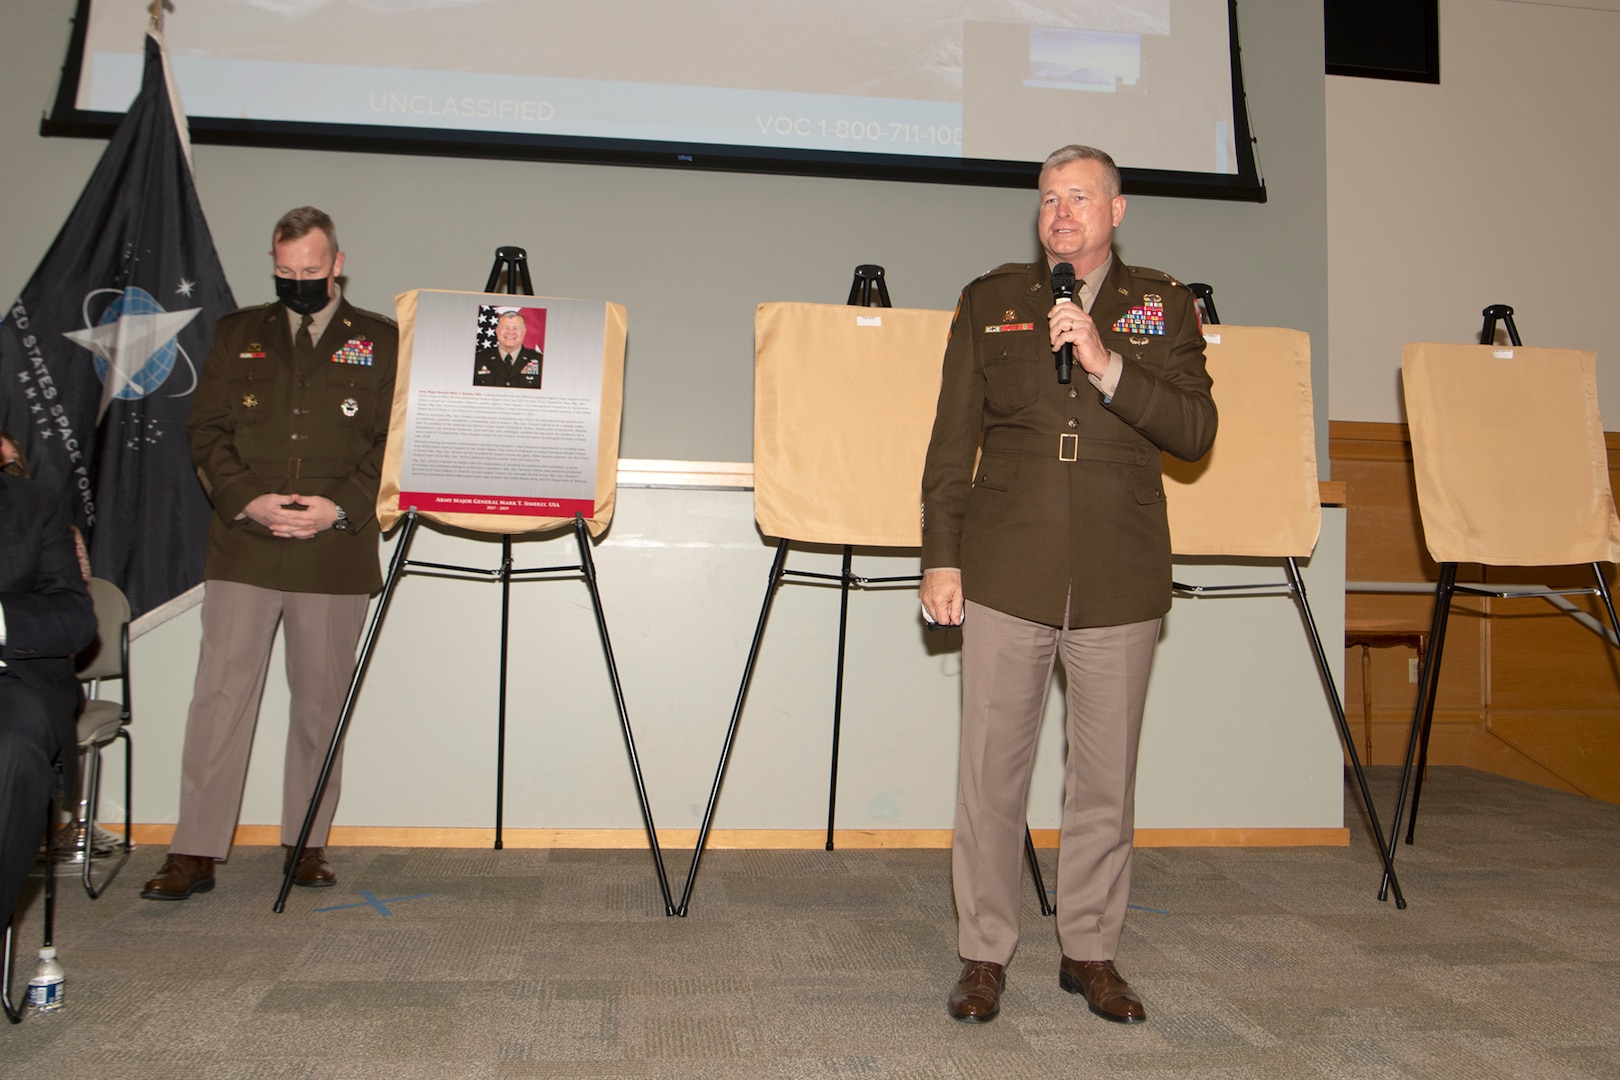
<point x="100" y="354"/>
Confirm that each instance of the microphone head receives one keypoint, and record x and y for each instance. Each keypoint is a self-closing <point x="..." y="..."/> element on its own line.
<point x="1063" y="281"/>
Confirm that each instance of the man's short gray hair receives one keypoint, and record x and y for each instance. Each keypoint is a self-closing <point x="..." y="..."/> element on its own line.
<point x="1075" y="152"/>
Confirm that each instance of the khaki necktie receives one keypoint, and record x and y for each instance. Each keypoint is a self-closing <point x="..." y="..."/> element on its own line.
<point x="305" y="340"/>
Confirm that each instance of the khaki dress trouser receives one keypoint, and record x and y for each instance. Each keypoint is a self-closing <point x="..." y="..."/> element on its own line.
<point x="238" y="629"/>
<point x="1007" y="666"/>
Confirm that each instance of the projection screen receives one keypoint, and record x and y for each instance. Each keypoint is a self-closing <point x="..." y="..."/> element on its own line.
<point x="975" y="92"/>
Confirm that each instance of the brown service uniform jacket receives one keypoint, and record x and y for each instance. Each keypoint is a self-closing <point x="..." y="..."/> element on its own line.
<point x="524" y="371"/>
<point x="260" y="423"/>
<point x="1068" y="489"/>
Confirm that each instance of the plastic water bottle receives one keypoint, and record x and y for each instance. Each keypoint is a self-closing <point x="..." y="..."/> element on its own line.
<point x="45" y="989"/>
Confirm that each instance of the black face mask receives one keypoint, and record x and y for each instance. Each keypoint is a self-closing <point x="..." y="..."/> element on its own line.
<point x="305" y="296"/>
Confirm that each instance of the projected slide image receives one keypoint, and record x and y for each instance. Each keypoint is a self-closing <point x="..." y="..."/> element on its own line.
<point x="1028" y="89"/>
<point x="1062" y="59"/>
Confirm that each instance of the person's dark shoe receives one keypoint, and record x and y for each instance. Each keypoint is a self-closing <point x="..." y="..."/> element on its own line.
<point x="314" y="872"/>
<point x="181" y="876"/>
<point x="1104" y="989"/>
<point x="976" y="997"/>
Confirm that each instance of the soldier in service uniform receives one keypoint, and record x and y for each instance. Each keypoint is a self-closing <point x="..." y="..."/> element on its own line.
<point x="509" y="363"/>
<point x="1057" y="545"/>
<point x="287" y="430"/>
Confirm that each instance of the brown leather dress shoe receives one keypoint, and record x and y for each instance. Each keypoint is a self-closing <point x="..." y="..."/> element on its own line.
<point x="976" y="997"/>
<point x="181" y="876"/>
<point x="1104" y="989"/>
<point x="313" y="870"/>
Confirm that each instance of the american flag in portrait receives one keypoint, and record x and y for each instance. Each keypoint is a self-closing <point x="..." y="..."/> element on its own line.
<point x="487" y="314"/>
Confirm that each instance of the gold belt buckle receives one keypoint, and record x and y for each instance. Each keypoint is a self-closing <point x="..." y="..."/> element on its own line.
<point x="1068" y="448"/>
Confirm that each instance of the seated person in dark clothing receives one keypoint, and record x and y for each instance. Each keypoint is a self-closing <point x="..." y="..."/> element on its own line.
<point x="509" y="363"/>
<point x="45" y="617"/>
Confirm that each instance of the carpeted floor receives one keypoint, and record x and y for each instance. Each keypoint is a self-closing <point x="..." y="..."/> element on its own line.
<point x="461" y="963"/>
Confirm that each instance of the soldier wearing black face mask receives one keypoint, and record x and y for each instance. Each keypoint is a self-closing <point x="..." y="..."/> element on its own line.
<point x="304" y="296"/>
<point x="287" y="430"/>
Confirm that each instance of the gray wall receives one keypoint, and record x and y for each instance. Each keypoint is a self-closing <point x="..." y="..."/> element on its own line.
<point x="691" y="254"/>
<point x="1238" y="732"/>
<point x="1497" y="186"/>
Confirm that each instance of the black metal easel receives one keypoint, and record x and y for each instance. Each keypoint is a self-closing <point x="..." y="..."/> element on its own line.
<point x="1205" y="295"/>
<point x="868" y="286"/>
<point x="511" y="264"/>
<point x="1493" y="314"/>
<point x="1295" y="585"/>
<point x="1446" y="589"/>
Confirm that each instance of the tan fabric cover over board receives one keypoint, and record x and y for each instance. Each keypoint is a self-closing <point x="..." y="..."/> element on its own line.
<point x="844" y="401"/>
<point x="1255" y="492"/>
<point x="607" y="445"/>
<point x="1508" y="450"/>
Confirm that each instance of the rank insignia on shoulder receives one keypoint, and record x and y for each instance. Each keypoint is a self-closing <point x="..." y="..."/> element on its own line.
<point x="354" y="351"/>
<point x="249" y="401"/>
<point x="349" y="407"/>
<point x="1146" y="318"/>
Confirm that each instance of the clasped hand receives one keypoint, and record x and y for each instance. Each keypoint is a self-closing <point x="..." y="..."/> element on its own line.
<point x="292" y="517"/>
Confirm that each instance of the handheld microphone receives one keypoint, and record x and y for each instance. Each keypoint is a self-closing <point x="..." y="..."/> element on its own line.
<point x="1063" y="289"/>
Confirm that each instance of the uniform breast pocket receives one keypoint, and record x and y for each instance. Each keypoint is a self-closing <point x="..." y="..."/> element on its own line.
<point x="250" y="397"/>
<point x="348" y="390"/>
<point x="1009" y="381"/>
<point x="1148" y="350"/>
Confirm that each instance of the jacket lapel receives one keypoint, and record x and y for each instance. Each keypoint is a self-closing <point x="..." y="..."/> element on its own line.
<point x="1113" y="298"/>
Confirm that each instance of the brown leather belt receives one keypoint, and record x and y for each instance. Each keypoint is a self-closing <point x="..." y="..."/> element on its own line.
<point x="1069" y="448"/>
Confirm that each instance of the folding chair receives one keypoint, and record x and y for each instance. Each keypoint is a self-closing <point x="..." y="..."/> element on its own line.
<point x="102" y="722"/>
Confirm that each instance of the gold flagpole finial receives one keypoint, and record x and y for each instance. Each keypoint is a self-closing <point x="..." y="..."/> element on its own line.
<point x="157" y="9"/>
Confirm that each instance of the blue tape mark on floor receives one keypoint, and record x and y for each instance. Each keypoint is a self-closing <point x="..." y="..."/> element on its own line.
<point x="372" y="901"/>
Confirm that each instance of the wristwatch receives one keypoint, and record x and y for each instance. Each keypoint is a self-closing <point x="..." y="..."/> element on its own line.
<point x="342" y="522"/>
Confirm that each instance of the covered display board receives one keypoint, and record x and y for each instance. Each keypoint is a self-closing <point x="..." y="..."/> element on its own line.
<point x="1255" y="493"/>
<point x="844" y="401"/>
<point x="1509" y="455"/>
<point x="506" y="411"/>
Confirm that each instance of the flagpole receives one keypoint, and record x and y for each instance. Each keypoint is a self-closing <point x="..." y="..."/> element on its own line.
<point x="157" y="15"/>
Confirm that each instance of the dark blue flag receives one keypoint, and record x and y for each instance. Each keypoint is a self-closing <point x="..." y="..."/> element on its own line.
<point x="100" y="354"/>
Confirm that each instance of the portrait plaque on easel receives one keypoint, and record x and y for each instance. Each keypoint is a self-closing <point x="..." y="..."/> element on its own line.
<point x="506" y="411"/>
<point x="505" y="420"/>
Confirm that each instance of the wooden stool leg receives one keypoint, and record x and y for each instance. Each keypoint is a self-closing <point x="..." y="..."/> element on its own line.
<point x="1366" y="700"/>
<point x="1421" y="641"/>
